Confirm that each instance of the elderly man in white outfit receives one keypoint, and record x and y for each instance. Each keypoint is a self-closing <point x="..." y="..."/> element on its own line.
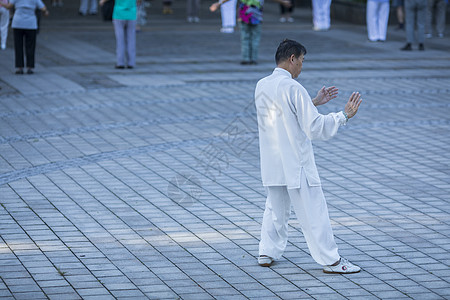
<point x="287" y="121"/>
<point x="321" y="14"/>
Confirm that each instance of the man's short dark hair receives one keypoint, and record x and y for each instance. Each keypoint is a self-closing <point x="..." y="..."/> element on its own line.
<point x="287" y="48"/>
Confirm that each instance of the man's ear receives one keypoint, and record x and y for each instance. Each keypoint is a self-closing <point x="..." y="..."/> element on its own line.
<point x="292" y="58"/>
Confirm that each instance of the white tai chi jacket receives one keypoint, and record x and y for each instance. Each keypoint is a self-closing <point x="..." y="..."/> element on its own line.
<point x="287" y="122"/>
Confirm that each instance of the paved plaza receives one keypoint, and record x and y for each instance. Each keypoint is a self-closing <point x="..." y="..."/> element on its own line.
<point x="145" y="183"/>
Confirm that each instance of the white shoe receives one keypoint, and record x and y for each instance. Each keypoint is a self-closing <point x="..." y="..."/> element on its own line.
<point x="428" y="35"/>
<point x="290" y="20"/>
<point x="196" y="19"/>
<point x="3" y="47"/>
<point x="440" y="35"/>
<point x="190" y="19"/>
<point x="265" y="261"/>
<point x="227" y="29"/>
<point x="343" y="267"/>
<point x="283" y="20"/>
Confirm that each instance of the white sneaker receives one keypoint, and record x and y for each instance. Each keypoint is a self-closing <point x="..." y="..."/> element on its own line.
<point x="343" y="267"/>
<point x="428" y="35"/>
<point x="283" y="20"/>
<point x="290" y="20"/>
<point x="315" y="28"/>
<point x="227" y="29"/>
<point x="265" y="261"/>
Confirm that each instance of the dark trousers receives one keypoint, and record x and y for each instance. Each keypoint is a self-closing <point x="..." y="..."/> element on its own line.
<point x="29" y="35"/>
<point x="285" y="10"/>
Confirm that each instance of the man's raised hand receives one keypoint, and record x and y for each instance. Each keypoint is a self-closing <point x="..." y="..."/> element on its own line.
<point x="325" y="94"/>
<point x="353" y="104"/>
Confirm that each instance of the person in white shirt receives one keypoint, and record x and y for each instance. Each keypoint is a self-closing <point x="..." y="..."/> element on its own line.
<point x="287" y="122"/>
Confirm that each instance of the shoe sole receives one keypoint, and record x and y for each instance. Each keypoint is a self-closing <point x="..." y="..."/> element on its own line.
<point x="331" y="272"/>
<point x="265" y="265"/>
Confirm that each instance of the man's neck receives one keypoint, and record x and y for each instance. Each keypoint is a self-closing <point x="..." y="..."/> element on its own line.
<point x="284" y="67"/>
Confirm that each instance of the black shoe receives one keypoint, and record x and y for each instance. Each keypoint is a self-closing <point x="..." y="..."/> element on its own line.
<point x="19" y="71"/>
<point x="421" y="47"/>
<point x="30" y="71"/>
<point x="253" y="62"/>
<point x="407" y="47"/>
<point x="119" y="67"/>
<point x="245" y="62"/>
<point x="130" y="67"/>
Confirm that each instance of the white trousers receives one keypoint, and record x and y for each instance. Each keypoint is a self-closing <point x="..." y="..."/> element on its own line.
<point x="321" y="14"/>
<point x="228" y="12"/>
<point x="377" y="15"/>
<point x="312" y="213"/>
<point x="90" y="5"/>
<point x="4" y="21"/>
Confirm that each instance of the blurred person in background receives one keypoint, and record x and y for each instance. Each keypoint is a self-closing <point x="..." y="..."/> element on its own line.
<point x="228" y="13"/>
<point x="88" y="6"/>
<point x="321" y="15"/>
<point x="377" y="19"/>
<point x="438" y="10"/>
<point x="286" y="13"/>
<point x="57" y="3"/>
<point x="415" y="16"/>
<point x="398" y="5"/>
<point x="124" y="20"/>
<point x="192" y="11"/>
<point x="25" y="26"/>
<point x="4" y="23"/>
<point x="250" y="16"/>
<point x="167" y="7"/>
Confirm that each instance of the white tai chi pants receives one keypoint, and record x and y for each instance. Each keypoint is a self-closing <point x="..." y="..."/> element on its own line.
<point x="377" y="15"/>
<point x="321" y="14"/>
<point x="312" y="213"/>
<point x="4" y="21"/>
<point x="228" y="12"/>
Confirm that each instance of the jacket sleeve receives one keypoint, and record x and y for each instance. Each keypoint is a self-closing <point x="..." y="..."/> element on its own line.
<point x="315" y="125"/>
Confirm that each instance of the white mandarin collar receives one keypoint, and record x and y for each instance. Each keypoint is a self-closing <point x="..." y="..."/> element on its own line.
<point x="282" y="71"/>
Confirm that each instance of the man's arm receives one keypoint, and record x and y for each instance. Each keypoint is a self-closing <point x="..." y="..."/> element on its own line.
<point x="315" y="125"/>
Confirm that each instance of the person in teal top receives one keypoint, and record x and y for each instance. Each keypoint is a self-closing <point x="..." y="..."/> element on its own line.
<point x="124" y="20"/>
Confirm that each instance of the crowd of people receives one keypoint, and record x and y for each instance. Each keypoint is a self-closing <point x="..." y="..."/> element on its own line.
<point x="420" y="19"/>
<point x="416" y="17"/>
